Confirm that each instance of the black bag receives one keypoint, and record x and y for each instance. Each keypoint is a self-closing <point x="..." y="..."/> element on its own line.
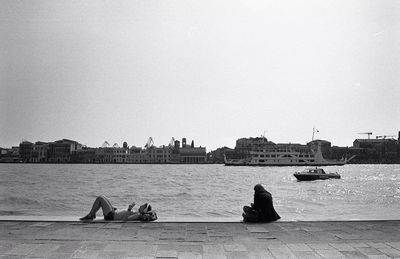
<point x="250" y="214"/>
<point x="148" y="216"/>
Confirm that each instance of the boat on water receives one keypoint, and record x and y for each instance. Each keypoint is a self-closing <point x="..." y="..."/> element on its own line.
<point x="235" y="162"/>
<point x="284" y="155"/>
<point x="312" y="174"/>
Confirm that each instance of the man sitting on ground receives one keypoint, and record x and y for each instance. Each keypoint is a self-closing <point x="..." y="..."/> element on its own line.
<point x="262" y="210"/>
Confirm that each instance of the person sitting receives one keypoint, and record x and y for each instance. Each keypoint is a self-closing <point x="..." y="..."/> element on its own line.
<point x="262" y="210"/>
<point x="144" y="213"/>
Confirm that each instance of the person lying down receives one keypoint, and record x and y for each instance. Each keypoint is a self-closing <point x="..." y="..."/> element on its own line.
<point x="143" y="213"/>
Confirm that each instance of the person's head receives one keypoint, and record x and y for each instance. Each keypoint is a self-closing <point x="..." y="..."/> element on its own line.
<point x="258" y="188"/>
<point x="145" y="208"/>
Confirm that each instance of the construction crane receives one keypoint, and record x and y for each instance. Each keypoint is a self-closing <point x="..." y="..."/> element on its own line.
<point x="149" y="143"/>
<point x="367" y="133"/>
<point x="385" y="136"/>
<point x="314" y="130"/>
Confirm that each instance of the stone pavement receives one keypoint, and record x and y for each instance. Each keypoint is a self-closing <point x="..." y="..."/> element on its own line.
<point x="319" y="239"/>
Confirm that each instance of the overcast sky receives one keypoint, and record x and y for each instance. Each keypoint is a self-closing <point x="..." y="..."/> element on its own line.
<point x="213" y="71"/>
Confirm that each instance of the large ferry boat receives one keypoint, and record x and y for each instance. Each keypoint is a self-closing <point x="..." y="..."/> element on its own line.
<point x="284" y="155"/>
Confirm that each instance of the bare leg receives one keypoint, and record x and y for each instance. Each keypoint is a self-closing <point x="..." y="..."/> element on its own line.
<point x="100" y="202"/>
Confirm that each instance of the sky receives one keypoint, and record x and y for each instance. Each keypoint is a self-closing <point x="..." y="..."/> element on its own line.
<point x="212" y="71"/>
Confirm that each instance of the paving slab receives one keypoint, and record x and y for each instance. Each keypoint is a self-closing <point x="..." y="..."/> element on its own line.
<point x="306" y="254"/>
<point x="342" y="247"/>
<point x="391" y="252"/>
<point x="21" y="249"/>
<point x="281" y="251"/>
<point x="300" y="247"/>
<point x="317" y="239"/>
<point x="330" y="254"/>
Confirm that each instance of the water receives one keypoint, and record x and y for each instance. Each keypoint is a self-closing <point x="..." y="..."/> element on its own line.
<point x="198" y="192"/>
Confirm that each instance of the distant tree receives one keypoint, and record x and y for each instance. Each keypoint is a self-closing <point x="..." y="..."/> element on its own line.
<point x="125" y="145"/>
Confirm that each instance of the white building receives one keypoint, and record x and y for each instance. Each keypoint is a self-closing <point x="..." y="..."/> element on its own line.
<point x="192" y="155"/>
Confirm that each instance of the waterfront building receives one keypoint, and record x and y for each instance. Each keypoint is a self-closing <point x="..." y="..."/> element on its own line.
<point x="33" y="153"/>
<point x="4" y="155"/>
<point x="39" y="152"/>
<point x="370" y="151"/>
<point x="376" y="150"/>
<point x="191" y="154"/>
<point x="112" y="155"/>
<point x="159" y="155"/>
<point x="119" y="155"/>
<point x="368" y="143"/>
<point x="84" y="155"/>
<point x="60" y="151"/>
<point x="69" y="151"/>
<point x="14" y="151"/>
<point x="175" y="156"/>
<point x="195" y="155"/>
<point x="339" y="152"/>
<point x="3" y="151"/>
<point x="137" y="155"/>
<point x="244" y="145"/>
<point x="325" y="146"/>
<point x="217" y="156"/>
<point x="104" y="155"/>
<point x="171" y="154"/>
<point x="25" y="151"/>
<point x="10" y="155"/>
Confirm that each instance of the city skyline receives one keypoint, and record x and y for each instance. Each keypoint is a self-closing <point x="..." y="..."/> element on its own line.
<point x="211" y="71"/>
<point x="368" y="135"/>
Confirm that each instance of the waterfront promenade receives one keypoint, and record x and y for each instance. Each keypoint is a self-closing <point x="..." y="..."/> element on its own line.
<point x="316" y="239"/>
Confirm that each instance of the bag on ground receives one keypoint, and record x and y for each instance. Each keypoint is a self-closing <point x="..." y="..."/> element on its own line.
<point x="148" y="214"/>
<point x="250" y="214"/>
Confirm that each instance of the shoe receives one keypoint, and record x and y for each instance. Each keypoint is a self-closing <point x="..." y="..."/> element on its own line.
<point x="88" y="217"/>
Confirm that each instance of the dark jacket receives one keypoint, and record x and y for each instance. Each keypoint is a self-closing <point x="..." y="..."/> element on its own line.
<point x="263" y="203"/>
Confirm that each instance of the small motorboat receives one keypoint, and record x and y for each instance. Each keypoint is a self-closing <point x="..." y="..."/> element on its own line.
<point x="315" y="174"/>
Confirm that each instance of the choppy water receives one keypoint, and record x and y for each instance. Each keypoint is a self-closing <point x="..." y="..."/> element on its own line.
<point x="199" y="191"/>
